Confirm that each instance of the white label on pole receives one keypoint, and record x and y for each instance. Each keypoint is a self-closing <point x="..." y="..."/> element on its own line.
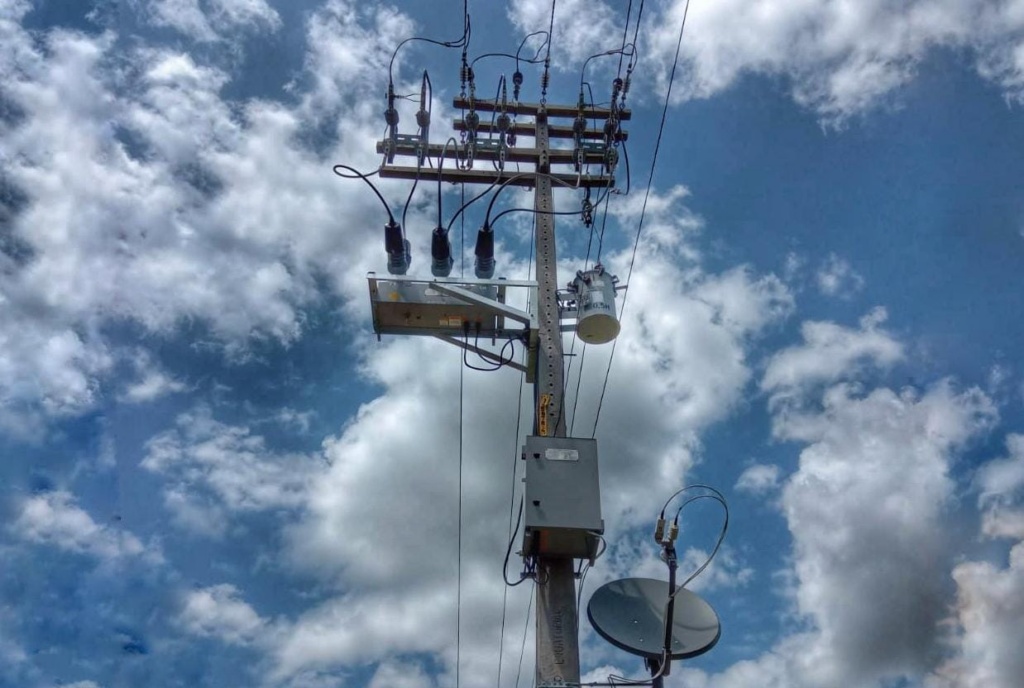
<point x="561" y="455"/>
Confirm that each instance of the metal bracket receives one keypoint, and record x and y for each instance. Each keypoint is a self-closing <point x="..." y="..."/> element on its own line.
<point x="446" y="307"/>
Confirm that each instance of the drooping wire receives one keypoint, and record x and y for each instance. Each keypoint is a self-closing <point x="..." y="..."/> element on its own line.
<point x="625" y="30"/>
<point x="511" y="509"/>
<point x="643" y="210"/>
<point x="408" y="199"/>
<point x="461" y="42"/>
<point x="508" y="550"/>
<point x="625" y="154"/>
<point x="502" y="361"/>
<point x="545" y="78"/>
<point x="494" y="112"/>
<point x="515" y="177"/>
<point x="465" y="204"/>
<point x="617" y="51"/>
<point x="536" y="55"/>
<point x="536" y="59"/>
<point x="356" y="174"/>
<point x="487" y="216"/>
<point x="462" y="239"/>
<point x="600" y="234"/>
<point x="458" y="622"/>
<point x="585" y="568"/>
<point x="440" y="165"/>
<point x="526" y="627"/>
<point x="634" y="59"/>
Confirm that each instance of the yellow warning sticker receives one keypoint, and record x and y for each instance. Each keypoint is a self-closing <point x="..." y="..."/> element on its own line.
<point x="542" y="414"/>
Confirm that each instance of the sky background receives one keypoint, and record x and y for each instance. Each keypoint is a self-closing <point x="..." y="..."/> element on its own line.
<point x="213" y="474"/>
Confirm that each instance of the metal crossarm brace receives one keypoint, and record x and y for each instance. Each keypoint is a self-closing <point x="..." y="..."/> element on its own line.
<point x="499" y="308"/>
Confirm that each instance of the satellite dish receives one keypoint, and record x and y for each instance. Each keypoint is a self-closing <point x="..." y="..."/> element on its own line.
<point x="630" y="614"/>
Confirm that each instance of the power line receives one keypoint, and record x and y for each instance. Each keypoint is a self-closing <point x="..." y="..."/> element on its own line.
<point x="526" y="626"/>
<point x="545" y="78"/>
<point x="625" y="30"/>
<point x="458" y="619"/>
<point x="643" y="210"/>
<point x="511" y="508"/>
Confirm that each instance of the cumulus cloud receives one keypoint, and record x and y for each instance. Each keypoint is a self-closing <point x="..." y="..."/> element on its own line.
<point x="218" y="612"/>
<point x="150" y="382"/>
<point x="208" y="20"/>
<point x="840" y="59"/>
<point x="829" y="351"/>
<point x="54" y="519"/>
<point x="987" y="633"/>
<point x="866" y="509"/>
<point x="215" y="470"/>
<point x="195" y="221"/>
<point x="837" y="278"/>
<point x="758" y="479"/>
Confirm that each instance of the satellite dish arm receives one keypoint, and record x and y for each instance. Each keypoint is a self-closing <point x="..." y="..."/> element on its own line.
<point x="661" y="669"/>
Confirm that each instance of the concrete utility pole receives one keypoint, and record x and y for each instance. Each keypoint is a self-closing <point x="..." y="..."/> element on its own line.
<point x="557" y="633"/>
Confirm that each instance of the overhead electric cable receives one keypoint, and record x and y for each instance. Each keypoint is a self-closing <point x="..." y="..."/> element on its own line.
<point x="526" y="626"/>
<point x="408" y="199"/>
<point x="546" y="76"/>
<point x="462" y="240"/>
<point x="461" y="42"/>
<point x="643" y="209"/>
<point x="512" y="495"/>
<point x="458" y="621"/>
<point x="365" y="177"/>
<point x="536" y="59"/>
<point x="625" y="30"/>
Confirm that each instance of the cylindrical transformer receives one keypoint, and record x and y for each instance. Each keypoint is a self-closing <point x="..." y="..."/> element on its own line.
<point x="596" y="322"/>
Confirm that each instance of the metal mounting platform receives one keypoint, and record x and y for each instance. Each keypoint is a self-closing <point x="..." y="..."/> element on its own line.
<point x="463" y="312"/>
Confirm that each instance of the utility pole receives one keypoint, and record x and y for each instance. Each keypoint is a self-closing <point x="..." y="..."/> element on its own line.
<point x="408" y="305"/>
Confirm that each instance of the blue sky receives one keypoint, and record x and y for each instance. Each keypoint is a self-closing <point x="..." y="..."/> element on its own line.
<point x="214" y="475"/>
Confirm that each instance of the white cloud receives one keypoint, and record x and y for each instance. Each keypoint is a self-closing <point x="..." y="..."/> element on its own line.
<point x="758" y="479"/>
<point x="400" y="675"/>
<point x="214" y="470"/>
<point x="370" y="627"/>
<point x="836" y="278"/>
<point x="217" y="612"/>
<point x="829" y="351"/>
<point x="54" y="519"/>
<point x="207" y="21"/>
<point x="185" y="16"/>
<point x="987" y="633"/>
<point x="1002" y="479"/>
<point x="867" y="509"/>
<point x="350" y="47"/>
<point x="195" y="221"/>
<point x="842" y="59"/>
<point x="150" y="382"/>
<point x="574" y="40"/>
<point x="990" y="605"/>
